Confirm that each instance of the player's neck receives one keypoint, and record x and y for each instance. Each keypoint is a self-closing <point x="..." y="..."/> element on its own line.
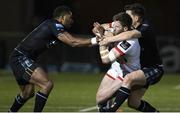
<point x="136" y="24"/>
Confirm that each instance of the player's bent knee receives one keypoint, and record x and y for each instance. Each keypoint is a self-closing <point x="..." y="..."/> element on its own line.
<point x="128" y="80"/>
<point x="49" y="85"/>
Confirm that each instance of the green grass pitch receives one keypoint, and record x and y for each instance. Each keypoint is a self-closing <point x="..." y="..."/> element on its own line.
<point x="74" y="92"/>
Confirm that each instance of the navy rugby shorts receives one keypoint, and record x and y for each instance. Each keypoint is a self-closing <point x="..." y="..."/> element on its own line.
<point x="153" y="74"/>
<point x="22" y="66"/>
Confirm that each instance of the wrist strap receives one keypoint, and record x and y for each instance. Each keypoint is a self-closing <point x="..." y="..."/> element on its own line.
<point x="93" y="41"/>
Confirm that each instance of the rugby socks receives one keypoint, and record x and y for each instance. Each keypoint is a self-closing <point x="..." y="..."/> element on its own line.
<point x="146" y="107"/>
<point x="103" y="106"/>
<point x="40" y="101"/>
<point x="121" y="95"/>
<point x="18" y="103"/>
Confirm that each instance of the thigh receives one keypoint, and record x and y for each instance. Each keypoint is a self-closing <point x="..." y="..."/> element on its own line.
<point x="105" y="83"/>
<point x="112" y="79"/>
<point x="107" y="88"/>
<point x="27" y="71"/>
<point x="109" y="85"/>
<point x="22" y="67"/>
<point x="134" y="78"/>
<point x="39" y="77"/>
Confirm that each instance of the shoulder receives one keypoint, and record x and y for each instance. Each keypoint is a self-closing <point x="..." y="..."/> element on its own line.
<point x="53" y="24"/>
<point x="146" y="28"/>
<point x="146" y="25"/>
<point x="57" y="25"/>
<point x="44" y="24"/>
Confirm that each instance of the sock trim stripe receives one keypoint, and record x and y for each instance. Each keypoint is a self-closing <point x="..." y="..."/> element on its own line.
<point x="18" y="101"/>
<point x="143" y="105"/>
<point x="41" y="96"/>
<point x="124" y="91"/>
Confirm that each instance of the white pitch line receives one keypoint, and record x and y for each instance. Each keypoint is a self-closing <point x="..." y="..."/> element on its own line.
<point x="177" y="87"/>
<point x="89" y="109"/>
<point x="47" y="107"/>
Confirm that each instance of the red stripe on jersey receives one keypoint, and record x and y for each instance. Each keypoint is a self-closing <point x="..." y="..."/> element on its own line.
<point x="110" y="76"/>
<point x="110" y="25"/>
<point x="122" y="62"/>
<point x="121" y="53"/>
<point x="120" y="78"/>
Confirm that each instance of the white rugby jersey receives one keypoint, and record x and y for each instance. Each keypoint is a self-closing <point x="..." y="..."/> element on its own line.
<point x="130" y="61"/>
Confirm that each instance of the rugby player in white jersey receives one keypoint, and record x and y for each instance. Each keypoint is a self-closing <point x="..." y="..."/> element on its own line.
<point x="151" y="70"/>
<point x="124" y="58"/>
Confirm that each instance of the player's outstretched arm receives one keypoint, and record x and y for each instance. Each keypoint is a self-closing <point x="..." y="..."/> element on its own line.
<point x="121" y="37"/>
<point x="76" y="41"/>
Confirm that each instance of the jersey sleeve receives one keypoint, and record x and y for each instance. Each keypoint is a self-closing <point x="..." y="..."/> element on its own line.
<point x="57" y="28"/>
<point x="125" y="47"/>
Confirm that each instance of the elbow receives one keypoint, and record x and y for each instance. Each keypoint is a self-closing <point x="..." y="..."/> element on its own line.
<point x="74" y="45"/>
<point x="105" y="61"/>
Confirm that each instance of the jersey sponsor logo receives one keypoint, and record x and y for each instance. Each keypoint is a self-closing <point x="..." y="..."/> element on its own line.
<point x="28" y="63"/>
<point x="59" y="27"/>
<point x="125" y="45"/>
<point x="145" y="25"/>
<point x="52" y="43"/>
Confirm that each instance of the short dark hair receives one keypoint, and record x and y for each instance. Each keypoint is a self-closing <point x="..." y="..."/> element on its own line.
<point x="61" y="11"/>
<point x="124" y="19"/>
<point x="137" y="9"/>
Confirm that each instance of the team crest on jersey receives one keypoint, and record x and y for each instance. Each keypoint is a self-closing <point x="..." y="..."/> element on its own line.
<point x="59" y="27"/>
<point x="125" y="45"/>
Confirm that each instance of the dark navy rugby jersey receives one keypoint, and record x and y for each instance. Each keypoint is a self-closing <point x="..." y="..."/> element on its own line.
<point x="149" y="50"/>
<point x="41" y="38"/>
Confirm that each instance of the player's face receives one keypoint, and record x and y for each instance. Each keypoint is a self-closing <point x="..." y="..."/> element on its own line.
<point x="118" y="28"/>
<point x="67" y="20"/>
<point x="134" y="18"/>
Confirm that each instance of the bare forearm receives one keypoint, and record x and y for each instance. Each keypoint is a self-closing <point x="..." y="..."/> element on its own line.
<point x="80" y="40"/>
<point x="125" y="36"/>
<point x="104" y="54"/>
<point x="76" y="41"/>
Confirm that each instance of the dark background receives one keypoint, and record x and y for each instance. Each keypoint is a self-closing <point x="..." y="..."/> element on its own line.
<point x="19" y="17"/>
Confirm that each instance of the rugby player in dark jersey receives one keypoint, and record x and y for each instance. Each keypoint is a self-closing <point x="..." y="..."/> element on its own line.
<point x="27" y="72"/>
<point x="151" y="63"/>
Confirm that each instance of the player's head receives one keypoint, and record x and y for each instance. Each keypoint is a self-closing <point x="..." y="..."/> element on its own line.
<point x="136" y="11"/>
<point x="64" y="15"/>
<point x="121" y="22"/>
